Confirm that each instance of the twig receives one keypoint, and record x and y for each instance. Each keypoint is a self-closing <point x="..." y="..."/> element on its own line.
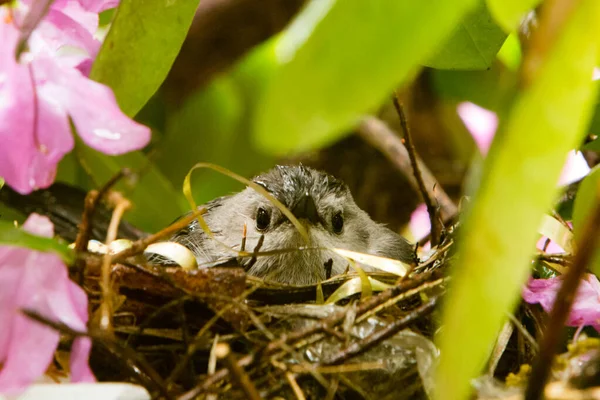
<point x="91" y="202"/>
<point x="378" y="336"/>
<point x="564" y="300"/>
<point x="237" y="373"/>
<point x="432" y="210"/>
<point x="294" y="385"/>
<point x="380" y="136"/>
<point x="261" y="240"/>
<point x="106" y="307"/>
<point x="139" y="368"/>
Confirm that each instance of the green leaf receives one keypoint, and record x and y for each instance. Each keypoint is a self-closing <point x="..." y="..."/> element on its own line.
<point x="584" y="201"/>
<point x="13" y="236"/>
<point x="340" y="59"/>
<point x="156" y="203"/>
<point x="594" y="127"/>
<point x="509" y="13"/>
<point x="141" y="45"/>
<point x="510" y="53"/>
<point x="586" y="198"/>
<point x="489" y="89"/>
<point x="473" y="45"/>
<point x="547" y="119"/>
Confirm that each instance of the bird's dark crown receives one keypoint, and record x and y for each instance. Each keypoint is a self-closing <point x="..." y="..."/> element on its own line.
<point x="290" y="182"/>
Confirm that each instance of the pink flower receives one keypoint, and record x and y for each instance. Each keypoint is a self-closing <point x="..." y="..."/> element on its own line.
<point x="586" y="307"/>
<point x="43" y="89"/>
<point x="480" y="122"/>
<point x="37" y="281"/>
<point x="575" y="168"/>
<point x="419" y="224"/>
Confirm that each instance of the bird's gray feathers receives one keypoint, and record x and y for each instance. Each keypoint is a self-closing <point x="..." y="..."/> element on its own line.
<point x="226" y="217"/>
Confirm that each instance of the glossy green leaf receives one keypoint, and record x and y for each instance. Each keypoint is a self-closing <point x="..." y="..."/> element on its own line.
<point x="488" y="89"/>
<point x="546" y="120"/>
<point x="509" y="13"/>
<point x="141" y="45"/>
<point x="586" y="198"/>
<point x="340" y="59"/>
<point x="13" y="236"/>
<point x="594" y="128"/>
<point x="473" y="44"/>
<point x="510" y="53"/>
<point x="156" y="202"/>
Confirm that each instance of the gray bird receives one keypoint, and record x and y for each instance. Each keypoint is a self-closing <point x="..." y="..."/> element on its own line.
<point x="322" y="203"/>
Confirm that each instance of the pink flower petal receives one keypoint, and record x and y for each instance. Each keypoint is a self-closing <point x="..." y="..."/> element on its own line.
<point x="551" y="248"/>
<point x="99" y="5"/>
<point x="93" y="108"/>
<point x="80" y="354"/>
<point x="586" y="307"/>
<point x="419" y="222"/>
<point x="480" y="122"/>
<point x="34" y="134"/>
<point x="37" y="281"/>
<point x="59" y="29"/>
<point x="575" y="168"/>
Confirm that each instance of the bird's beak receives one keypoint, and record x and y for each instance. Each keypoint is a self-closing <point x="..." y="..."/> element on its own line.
<point x="306" y="208"/>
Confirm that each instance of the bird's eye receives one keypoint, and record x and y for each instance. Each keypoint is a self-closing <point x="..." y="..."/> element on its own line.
<point x="337" y="222"/>
<point x="263" y="219"/>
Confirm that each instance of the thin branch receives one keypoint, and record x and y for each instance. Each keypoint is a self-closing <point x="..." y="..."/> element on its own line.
<point x="91" y="202"/>
<point x="106" y="307"/>
<point x="380" y="136"/>
<point x="436" y="224"/>
<point x="237" y="373"/>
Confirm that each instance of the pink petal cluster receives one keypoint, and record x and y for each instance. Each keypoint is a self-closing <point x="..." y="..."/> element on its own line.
<point x="586" y="307"/>
<point x="47" y="85"/>
<point x="37" y="281"/>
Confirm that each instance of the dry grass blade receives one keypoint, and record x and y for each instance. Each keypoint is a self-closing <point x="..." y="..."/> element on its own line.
<point x="385" y="264"/>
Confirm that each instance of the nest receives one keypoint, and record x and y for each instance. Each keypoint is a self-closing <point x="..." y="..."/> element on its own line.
<point x="183" y="334"/>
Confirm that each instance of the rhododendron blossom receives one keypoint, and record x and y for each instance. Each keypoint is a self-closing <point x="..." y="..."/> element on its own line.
<point x="586" y="307"/>
<point x="37" y="281"/>
<point x="47" y="85"/>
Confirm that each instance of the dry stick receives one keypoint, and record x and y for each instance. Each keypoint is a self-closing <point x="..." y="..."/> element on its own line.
<point x="237" y="373"/>
<point x="380" y="335"/>
<point x="122" y="205"/>
<point x="379" y="135"/>
<point x="432" y="210"/>
<point x="564" y="300"/>
<point x="139" y="368"/>
<point x="91" y="202"/>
